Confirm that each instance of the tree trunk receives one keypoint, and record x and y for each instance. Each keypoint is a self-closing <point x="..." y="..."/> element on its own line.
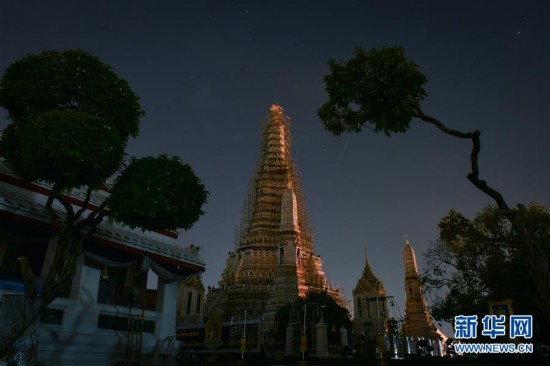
<point x="60" y="276"/>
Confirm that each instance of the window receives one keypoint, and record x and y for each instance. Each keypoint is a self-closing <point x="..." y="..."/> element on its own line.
<point x="198" y="308"/>
<point x="189" y="300"/>
<point x="368" y="309"/>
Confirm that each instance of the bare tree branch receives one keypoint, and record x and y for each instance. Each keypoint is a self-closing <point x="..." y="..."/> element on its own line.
<point x="473" y="177"/>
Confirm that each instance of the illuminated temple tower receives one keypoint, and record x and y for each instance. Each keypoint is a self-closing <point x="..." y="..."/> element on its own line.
<point x="273" y="262"/>
<point x="370" y="305"/>
<point x="418" y="321"/>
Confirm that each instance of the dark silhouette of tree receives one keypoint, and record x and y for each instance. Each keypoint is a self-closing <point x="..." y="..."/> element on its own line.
<point x="70" y="119"/>
<point x="479" y="260"/>
<point x="383" y="90"/>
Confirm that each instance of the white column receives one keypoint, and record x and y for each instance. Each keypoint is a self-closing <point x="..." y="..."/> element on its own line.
<point x="322" y="341"/>
<point x="88" y="284"/>
<point x="82" y="313"/>
<point x="166" y="305"/>
<point x="343" y="336"/>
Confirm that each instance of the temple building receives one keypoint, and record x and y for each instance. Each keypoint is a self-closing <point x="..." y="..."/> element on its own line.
<point x="274" y="261"/>
<point x="370" y="306"/>
<point x="124" y="298"/>
<point x="190" y="300"/>
<point x="418" y="321"/>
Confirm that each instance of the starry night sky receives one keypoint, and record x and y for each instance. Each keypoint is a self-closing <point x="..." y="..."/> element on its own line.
<point x="207" y="72"/>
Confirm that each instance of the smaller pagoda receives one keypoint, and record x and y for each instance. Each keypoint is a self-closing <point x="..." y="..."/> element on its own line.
<point x="370" y="306"/>
<point x="418" y="321"/>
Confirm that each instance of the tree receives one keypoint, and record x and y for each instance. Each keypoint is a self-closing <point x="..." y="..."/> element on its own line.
<point x="479" y="260"/>
<point x="383" y="90"/>
<point x="70" y="119"/>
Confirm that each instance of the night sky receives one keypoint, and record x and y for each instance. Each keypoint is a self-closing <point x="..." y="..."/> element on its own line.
<point x="207" y="71"/>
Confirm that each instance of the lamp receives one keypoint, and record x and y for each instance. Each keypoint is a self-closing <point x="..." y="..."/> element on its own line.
<point x="104" y="273"/>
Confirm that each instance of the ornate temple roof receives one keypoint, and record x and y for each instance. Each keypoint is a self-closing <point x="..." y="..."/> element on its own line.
<point x="368" y="281"/>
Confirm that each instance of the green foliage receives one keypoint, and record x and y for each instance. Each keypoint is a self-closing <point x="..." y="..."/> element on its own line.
<point x="71" y="79"/>
<point x="67" y="147"/>
<point x="156" y="193"/>
<point x="71" y="117"/>
<point x="479" y="260"/>
<point x="381" y="88"/>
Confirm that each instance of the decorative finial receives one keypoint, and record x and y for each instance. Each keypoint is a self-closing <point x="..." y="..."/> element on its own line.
<point x="407" y="240"/>
<point x="276" y="108"/>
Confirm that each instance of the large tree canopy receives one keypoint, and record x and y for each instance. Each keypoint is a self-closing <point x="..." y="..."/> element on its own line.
<point x="479" y="260"/>
<point x="384" y="90"/>
<point x="157" y="193"/>
<point x="71" y="79"/>
<point x="71" y="117"/>
<point x="66" y="147"/>
<point x="381" y="88"/>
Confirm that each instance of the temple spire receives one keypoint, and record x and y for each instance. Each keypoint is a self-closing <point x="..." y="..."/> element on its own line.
<point x="418" y="321"/>
<point x="276" y="174"/>
<point x="274" y="261"/>
<point x="409" y="259"/>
